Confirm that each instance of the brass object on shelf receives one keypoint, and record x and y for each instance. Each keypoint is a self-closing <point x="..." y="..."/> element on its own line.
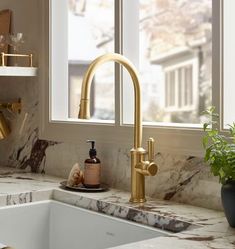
<point x="140" y="167"/>
<point x="29" y="56"/>
<point x="12" y="106"/>
<point x="4" y="128"/>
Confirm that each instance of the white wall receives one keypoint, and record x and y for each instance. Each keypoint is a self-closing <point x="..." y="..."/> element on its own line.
<point x="26" y="18"/>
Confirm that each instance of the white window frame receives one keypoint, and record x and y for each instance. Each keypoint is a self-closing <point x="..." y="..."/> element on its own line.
<point x="178" y="140"/>
<point x="227" y="71"/>
<point x="194" y="64"/>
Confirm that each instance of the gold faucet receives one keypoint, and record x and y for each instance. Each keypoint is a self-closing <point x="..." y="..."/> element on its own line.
<point x="140" y="167"/>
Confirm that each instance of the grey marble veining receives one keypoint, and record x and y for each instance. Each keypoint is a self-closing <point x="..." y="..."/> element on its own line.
<point x="191" y="227"/>
<point x="123" y="209"/>
<point x="180" y="178"/>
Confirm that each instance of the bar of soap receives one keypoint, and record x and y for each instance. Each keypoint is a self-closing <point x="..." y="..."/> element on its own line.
<point x="76" y="176"/>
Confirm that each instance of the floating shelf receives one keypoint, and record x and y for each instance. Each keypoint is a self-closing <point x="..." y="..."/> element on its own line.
<point x="18" y="71"/>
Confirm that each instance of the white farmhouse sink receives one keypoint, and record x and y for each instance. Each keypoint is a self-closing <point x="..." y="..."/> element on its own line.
<point x="54" y="225"/>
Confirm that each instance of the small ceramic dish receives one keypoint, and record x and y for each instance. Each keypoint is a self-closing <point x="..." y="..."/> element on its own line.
<point x="82" y="188"/>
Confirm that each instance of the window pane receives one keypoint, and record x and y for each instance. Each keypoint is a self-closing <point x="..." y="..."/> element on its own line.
<point x="229" y="57"/>
<point x="175" y="49"/>
<point x="90" y="34"/>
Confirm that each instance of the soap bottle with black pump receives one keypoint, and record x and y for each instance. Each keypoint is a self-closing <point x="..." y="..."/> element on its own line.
<point x="92" y="168"/>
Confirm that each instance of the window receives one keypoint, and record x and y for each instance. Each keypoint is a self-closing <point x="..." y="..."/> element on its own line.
<point x="173" y="34"/>
<point x="169" y="41"/>
<point x="181" y="84"/>
<point x="86" y="35"/>
<point x="95" y="37"/>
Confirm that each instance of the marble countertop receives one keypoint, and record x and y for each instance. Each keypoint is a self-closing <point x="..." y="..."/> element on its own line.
<point x="189" y="226"/>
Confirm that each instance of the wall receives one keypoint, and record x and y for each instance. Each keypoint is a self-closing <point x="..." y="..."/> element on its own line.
<point x="182" y="178"/>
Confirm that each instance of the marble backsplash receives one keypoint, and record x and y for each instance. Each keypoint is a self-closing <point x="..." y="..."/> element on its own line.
<point x="182" y="178"/>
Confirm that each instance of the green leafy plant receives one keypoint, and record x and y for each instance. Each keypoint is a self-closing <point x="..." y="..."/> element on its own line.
<point x="219" y="149"/>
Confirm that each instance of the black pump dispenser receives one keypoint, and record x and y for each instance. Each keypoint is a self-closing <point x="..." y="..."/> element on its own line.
<point x="92" y="151"/>
<point x="92" y="168"/>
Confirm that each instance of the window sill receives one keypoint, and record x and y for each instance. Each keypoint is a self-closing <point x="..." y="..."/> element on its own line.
<point x="182" y="141"/>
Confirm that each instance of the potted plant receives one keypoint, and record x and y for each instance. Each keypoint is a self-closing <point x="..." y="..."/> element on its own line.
<point x="220" y="154"/>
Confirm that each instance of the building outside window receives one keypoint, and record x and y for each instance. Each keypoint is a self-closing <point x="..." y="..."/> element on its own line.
<point x="179" y="85"/>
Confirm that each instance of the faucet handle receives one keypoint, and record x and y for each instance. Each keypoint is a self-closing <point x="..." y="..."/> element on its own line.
<point x="150" y="149"/>
<point x="152" y="169"/>
<point x="147" y="168"/>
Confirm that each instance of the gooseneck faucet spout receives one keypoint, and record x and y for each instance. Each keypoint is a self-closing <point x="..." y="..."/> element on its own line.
<point x="139" y="166"/>
<point x="86" y="86"/>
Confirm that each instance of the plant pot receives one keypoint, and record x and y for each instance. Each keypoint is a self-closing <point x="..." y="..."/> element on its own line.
<point x="228" y="201"/>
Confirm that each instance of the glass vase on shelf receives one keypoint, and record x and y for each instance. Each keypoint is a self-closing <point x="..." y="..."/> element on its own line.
<point x="15" y="41"/>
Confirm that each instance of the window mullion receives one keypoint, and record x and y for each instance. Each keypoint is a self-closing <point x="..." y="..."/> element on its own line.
<point x="216" y="59"/>
<point x="118" y="71"/>
<point x="131" y="51"/>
